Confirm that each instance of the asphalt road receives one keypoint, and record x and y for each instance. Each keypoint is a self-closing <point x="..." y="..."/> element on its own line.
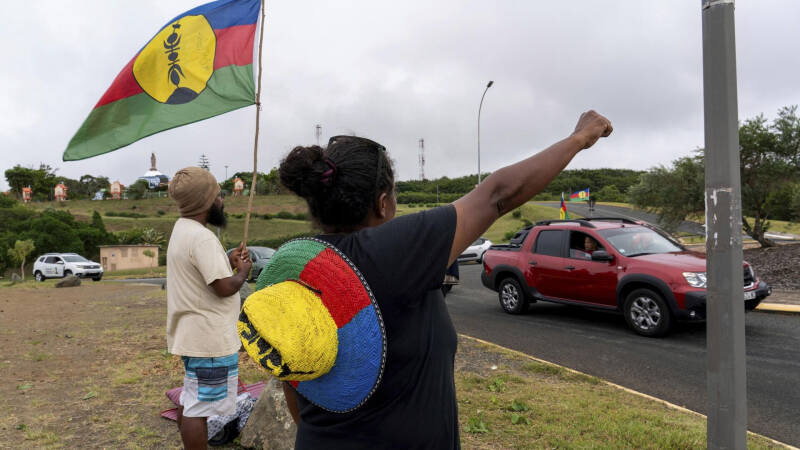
<point x="672" y="368"/>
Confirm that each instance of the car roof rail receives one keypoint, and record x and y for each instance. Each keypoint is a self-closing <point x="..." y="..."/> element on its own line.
<point x="581" y="222"/>
<point x="612" y="219"/>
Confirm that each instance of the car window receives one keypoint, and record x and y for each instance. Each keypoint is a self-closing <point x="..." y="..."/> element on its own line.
<point x="582" y="245"/>
<point x="50" y="260"/>
<point x="75" y="258"/>
<point x="479" y="241"/>
<point x="261" y="253"/>
<point x="633" y="241"/>
<point x="550" y="242"/>
<point x="42" y="259"/>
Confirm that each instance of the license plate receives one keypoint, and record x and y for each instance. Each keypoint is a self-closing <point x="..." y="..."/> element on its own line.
<point x="750" y="295"/>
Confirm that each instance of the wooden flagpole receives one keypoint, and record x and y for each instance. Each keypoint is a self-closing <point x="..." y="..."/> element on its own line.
<point x="258" y="117"/>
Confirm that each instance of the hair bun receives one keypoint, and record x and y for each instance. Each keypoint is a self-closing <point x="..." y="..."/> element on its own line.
<point x="301" y="170"/>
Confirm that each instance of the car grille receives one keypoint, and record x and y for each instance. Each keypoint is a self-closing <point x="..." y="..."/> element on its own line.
<point x="749" y="281"/>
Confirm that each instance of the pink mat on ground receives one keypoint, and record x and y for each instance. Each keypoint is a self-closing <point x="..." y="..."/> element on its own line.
<point x="174" y="395"/>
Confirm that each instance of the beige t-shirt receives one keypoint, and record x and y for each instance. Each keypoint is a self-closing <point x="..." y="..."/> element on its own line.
<point x="199" y="323"/>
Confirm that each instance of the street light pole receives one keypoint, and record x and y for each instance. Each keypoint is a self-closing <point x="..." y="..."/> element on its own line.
<point x="226" y="172"/>
<point x="479" y="129"/>
<point x="725" y="340"/>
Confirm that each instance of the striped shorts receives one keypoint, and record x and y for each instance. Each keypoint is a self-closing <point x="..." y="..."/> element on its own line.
<point x="210" y="385"/>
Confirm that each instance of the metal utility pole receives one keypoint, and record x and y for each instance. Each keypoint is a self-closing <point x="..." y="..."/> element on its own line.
<point x="479" y="129"/>
<point x="726" y="377"/>
<point x="226" y="171"/>
<point x="422" y="159"/>
<point x="318" y="132"/>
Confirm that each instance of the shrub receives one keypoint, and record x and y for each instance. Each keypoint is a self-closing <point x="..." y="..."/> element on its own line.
<point x="267" y="217"/>
<point x="516" y="213"/>
<point x="124" y="214"/>
<point x="161" y="212"/>
<point x="284" y="215"/>
<point x="7" y="201"/>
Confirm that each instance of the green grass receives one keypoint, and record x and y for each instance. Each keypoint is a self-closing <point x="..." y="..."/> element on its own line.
<point x="530" y="211"/>
<point x="150" y="272"/>
<point x="782" y="226"/>
<point x="233" y="205"/>
<point x="530" y="405"/>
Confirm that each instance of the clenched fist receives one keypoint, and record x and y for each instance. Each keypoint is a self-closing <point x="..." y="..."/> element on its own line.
<point x="591" y="127"/>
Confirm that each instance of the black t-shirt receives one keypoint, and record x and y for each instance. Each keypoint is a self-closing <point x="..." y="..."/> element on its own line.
<point x="404" y="262"/>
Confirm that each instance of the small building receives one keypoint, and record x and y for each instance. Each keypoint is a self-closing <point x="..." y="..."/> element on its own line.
<point x="116" y="190"/>
<point x="27" y="193"/>
<point x="60" y="192"/>
<point x="238" y="186"/>
<point x="124" y="257"/>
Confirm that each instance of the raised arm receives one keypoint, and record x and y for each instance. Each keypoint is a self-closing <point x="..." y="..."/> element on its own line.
<point x="513" y="185"/>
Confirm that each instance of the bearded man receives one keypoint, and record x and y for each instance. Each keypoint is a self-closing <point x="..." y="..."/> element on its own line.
<point x="203" y="304"/>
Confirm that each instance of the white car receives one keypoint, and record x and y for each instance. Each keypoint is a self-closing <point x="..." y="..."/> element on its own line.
<point x="59" y="265"/>
<point x="475" y="251"/>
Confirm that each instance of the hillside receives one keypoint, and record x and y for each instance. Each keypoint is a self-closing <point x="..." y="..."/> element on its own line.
<point x="161" y="213"/>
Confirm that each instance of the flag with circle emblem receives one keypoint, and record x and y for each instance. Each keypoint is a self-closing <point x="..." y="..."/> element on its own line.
<point x="199" y="65"/>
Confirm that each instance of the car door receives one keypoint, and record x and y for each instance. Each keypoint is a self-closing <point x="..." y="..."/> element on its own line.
<point x="49" y="266"/>
<point x="587" y="280"/>
<point x="545" y="270"/>
<point x="58" y="267"/>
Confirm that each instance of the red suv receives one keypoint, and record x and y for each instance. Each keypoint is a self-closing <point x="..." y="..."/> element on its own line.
<point x="614" y="264"/>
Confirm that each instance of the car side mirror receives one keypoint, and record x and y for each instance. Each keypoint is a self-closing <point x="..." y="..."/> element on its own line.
<point x="601" y="255"/>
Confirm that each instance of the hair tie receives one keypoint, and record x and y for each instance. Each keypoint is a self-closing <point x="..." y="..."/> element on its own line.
<point x="328" y="175"/>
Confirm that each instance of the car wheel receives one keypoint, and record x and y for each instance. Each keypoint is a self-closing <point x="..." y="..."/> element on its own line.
<point x="647" y="313"/>
<point x="97" y="278"/>
<point x="512" y="298"/>
<point x="67" y="273"/>
<point x="39" y="276"/>
<point x="750" y="305"/>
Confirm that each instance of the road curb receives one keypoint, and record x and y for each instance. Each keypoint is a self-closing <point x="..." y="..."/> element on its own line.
<point x="622" y="388"/>
<point x="778" y="307"/>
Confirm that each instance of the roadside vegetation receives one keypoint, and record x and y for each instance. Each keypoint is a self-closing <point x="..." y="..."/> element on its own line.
<point x="770" y="168"/>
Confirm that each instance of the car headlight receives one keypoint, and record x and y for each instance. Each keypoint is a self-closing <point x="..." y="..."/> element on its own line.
<point x="695" y="279"/>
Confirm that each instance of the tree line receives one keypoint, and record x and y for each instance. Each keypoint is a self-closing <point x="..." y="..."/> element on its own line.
<point x="44" y="179"/>
<point x="608" y="185"/>
<point x="58" y="231"/>
<point x="769" y="170"/>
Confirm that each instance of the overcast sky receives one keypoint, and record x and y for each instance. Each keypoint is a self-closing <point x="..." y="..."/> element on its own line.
<point x="400" y="71"/>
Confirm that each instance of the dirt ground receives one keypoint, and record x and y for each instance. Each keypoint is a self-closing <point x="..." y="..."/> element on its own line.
<point x="779" y="266"/>
<point x="84" y="367"/>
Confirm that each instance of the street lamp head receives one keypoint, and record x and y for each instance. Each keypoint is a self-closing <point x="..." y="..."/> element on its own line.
<point x="489" y="85"/>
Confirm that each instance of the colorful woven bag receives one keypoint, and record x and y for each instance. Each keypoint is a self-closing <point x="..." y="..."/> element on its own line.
<point x="314" y="322"/>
